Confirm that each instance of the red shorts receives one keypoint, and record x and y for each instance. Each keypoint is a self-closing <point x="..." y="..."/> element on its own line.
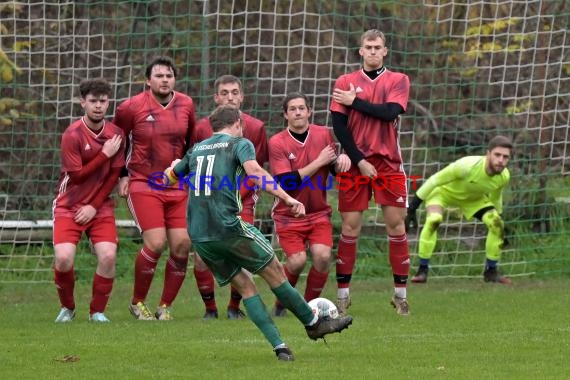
<point x="389" y="188"/>
<point x="293" y="239"/>
<point x="155" y="210"/>
<point x="98" y="230"/>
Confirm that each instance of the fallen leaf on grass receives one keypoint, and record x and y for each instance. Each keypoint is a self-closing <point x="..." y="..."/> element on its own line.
<point x="68" y="359"/>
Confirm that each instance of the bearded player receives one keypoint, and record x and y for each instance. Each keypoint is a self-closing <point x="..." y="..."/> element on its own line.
<point x="475" y="185"/>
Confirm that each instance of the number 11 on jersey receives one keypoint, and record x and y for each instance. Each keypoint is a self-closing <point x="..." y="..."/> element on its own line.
<point x="204" y="180"/>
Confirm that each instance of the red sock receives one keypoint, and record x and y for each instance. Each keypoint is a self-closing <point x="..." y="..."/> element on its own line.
<point x="174" y="275"/>
<point x="65" y="284"/>
<point x="102" y="287"/>
<point x="235" y="299"/>
<point x="205" y="283"/>
<point x="315" y="283"/>
<point x="292" y="278"/>
<point x="345" y="259"/>
<point x="145" y="265"/>
<point x="399" y="259"/>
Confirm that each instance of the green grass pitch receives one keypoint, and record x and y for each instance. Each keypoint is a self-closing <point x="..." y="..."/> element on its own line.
<point x="458" y="329"/>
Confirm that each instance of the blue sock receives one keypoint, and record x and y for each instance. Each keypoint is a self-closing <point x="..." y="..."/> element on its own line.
<point x="424" y="262"/>
<point x="491" y="264"/>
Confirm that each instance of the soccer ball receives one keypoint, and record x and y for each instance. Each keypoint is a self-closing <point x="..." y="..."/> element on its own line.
<point x="324" y="308"/>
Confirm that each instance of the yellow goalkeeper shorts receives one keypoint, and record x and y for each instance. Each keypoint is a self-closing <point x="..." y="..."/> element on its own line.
<point x="468" y="207"/>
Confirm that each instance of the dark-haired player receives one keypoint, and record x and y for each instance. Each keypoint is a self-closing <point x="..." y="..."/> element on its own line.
<point x="92" y="155"/>
<point x="301" y="157"/>
<point x="229" y="91"/>
<point x="229" y="245"/>
<point x="475" y="185"/>
<point x="159" y="123"/>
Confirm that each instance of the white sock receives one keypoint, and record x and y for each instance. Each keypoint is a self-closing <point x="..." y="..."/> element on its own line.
<point x="343" y="293"/>
<point x="400" y="292"/>
<point x="315" y="319"/>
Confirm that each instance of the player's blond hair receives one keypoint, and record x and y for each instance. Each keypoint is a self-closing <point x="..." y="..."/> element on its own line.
<point x="372" y="34"/>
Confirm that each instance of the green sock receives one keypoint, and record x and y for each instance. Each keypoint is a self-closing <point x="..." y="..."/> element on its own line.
<point x="294" y="301"/>
<point x="257" y="312"/>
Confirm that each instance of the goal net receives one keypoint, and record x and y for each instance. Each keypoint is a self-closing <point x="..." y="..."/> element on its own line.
<point x="477" y="68"/>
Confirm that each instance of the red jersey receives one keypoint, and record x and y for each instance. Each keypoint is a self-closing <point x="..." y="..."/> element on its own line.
<point x="80" y="145"/>
<point x="287" y="154"/>
<point x="157" y="135"/>
<point x="202" y="131"/>
<point x="254" y="131"/>
<point x="372" y="135"/>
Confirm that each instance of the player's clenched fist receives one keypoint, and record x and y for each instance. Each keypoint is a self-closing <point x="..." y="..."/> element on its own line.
<point x="327" y="155"/>
<point x="342" y="163"/>
<point x="296" y="207"/>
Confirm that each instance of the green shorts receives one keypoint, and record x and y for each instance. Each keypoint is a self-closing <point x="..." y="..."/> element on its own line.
<point x="226" y="258"/>
<point x="468" y="207"/>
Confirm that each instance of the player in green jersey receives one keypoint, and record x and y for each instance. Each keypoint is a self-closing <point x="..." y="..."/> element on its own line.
<point x="213" y="171"/>
<point x="475" y="185"/>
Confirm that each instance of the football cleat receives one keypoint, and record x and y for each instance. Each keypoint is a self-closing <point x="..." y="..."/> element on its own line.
<point x="421" y="275"/>
<point x="98" y="317"/>
<point x="279" y="310"/>
<point x="326" y="326"/>
<point x="493" y="275"/>
<point x="210" y="314"/>
<point x="284" y="354"/>
<point x="141" y="312"/>
<point x="342" y="304"/>
<point x="401" y="305"/>
<point x="163" y="313"/>
<point x="235" y="313"/>
<point x="65" y="315"/>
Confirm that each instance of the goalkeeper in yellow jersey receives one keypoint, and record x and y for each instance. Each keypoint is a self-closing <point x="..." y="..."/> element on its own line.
<point x="475" y="185"/>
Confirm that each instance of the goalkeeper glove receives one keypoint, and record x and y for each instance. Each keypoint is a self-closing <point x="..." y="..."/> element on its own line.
<point x="172" y="176"/>
<point x="411" y="217"/>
